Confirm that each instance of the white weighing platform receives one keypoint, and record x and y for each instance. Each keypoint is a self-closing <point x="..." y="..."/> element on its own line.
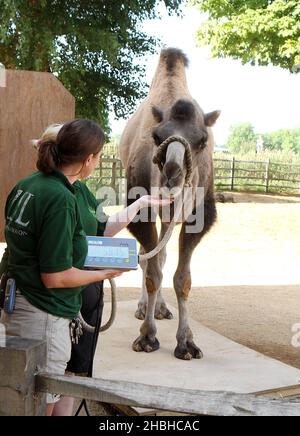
<point x="227" y="365"/>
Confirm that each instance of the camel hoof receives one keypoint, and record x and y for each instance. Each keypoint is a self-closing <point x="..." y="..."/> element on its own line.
<point x="140" y="314"/>
<point x="163" y="313"/>
<point x="188" y="352"/>
<point x="145" y="344"/>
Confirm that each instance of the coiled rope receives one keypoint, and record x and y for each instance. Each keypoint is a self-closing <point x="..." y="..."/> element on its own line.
<point x="159" y="159"/>
<point x="112" y="317"/>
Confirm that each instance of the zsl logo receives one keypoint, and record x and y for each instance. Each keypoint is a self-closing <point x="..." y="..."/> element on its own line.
<point x="18" y="211"/>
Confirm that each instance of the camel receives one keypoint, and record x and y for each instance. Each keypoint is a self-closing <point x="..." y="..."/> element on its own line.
<point x="169" y="110"/>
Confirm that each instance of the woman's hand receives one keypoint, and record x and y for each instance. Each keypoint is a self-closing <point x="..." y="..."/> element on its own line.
<point x="108" y="274"/>
<point x="150" y="201"/>
<point x="118" y="222"/>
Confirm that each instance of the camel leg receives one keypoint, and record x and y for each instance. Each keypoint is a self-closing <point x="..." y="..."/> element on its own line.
<point x="161" y="309"/>
<point x="142" y="304"/>
<point x="146" y="234"/>
<point x="186" y="348"/>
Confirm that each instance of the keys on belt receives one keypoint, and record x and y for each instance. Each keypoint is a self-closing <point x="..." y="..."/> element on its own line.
<point x="76" y="330"/>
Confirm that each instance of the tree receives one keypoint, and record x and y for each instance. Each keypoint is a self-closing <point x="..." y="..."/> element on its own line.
<point x="283" y="140"/>
<point x="242" y="138"/>
<point x="261" y="32"/>
<point x="94" y="47"/>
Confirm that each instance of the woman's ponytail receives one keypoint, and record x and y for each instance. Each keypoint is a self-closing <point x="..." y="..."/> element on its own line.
<point x="67" y="144"/>
<point x="48" y="157"/>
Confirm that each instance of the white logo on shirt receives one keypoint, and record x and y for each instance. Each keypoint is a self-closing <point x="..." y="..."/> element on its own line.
<point x="24" y="198"/>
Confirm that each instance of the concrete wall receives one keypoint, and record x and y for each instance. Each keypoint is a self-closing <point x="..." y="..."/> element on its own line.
<point x="29" y="102"/>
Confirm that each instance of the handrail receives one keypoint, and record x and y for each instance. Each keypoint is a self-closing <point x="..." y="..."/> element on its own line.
<point x="207" y="403"/>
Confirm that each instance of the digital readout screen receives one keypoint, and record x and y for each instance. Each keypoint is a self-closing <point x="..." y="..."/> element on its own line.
<point x="104" y="252"/>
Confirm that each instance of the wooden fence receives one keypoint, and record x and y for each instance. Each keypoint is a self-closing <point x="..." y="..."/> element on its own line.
<point x="233" y="174"/>
<point x="230" y="174"/>
<point x="109" y="173"/>
<point x="23" y="385"/>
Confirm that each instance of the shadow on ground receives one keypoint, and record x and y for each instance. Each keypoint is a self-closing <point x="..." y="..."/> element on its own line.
<point x="246" y="197"/>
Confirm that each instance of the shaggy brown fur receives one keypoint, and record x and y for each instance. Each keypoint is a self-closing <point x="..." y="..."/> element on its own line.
<point x="169" y="110"/>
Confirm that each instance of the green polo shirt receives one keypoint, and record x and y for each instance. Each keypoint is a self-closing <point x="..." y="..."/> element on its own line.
<point x="88" y="206"/>
<point x="47" y="219"/>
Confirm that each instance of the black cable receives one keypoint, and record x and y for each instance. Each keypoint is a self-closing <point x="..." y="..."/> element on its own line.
<point x="86" y="408"/>
<point x="83" y="403"/>
<point x="80" y="407"/>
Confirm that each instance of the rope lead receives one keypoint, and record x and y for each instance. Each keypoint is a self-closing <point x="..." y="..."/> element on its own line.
<point x="161" y="152"/>
<point x="158" y="160"/>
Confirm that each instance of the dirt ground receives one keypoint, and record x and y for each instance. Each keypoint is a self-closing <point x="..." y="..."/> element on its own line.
<point x="259" y="317"/>
<point x="246" y="275"/>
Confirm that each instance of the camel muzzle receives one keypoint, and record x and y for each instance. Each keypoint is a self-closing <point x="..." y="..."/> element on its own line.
<point x="160" y="157"/>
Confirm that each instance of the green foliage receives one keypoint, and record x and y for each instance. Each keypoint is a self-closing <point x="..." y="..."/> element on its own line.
<point x="111" y="149"/>
<point x="276" y="156"/>
<point x="242" y="138"/>
<point x="284" y="139"/>
<point x="94" y="47"/>
<point x="261" y="32"/>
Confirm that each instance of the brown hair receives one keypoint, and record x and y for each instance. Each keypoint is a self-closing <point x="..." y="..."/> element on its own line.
<point x="72" y="143"/>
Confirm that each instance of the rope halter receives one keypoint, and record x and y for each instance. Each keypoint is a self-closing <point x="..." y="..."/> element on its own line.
<point x="159" y="158"/>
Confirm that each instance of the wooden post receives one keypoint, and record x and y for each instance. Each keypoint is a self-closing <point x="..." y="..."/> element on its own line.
<point x="232" y="173"/>
<point x="268" y="175"/>
<point x="20" y="360"/>
<point x="114" y="175"/>
<point x="29" y="102"/>
<point x="101" y="169"/>
<point x="167" y="398"/>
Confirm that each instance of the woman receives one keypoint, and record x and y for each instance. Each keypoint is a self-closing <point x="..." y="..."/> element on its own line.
<point x="48" y="215"/>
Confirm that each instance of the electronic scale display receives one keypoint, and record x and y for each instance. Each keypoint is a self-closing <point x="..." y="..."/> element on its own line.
<point x="111" y="253"/>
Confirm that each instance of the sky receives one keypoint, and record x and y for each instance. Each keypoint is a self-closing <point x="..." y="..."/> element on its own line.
<point x="268" y="97"/>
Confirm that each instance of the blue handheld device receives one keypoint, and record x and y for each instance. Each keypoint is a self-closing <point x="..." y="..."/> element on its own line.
<point x="10" y="296"/>
<point x="111" y="253"/>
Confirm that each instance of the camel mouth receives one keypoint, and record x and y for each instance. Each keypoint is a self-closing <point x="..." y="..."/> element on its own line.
<point x="173" y="193"/>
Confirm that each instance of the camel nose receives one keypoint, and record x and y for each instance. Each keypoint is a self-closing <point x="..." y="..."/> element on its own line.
<point x="172" y="172"/>
<point x="170" y="184"/>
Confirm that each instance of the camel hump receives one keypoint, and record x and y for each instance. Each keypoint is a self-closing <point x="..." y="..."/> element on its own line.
<point x="171" y="56"/>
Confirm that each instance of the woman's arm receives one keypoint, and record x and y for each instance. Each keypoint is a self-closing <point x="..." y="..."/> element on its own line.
<point x="73" y="277"/>
<point x="119" y="221"/>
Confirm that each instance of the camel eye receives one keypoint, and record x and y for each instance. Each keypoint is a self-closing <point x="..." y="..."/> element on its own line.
<point x="203" y="143"/>
<point x="156" y="138"/>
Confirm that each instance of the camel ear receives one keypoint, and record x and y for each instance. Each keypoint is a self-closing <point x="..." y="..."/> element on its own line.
<point x="158" y="114"/>
<point x="211" y="118"/>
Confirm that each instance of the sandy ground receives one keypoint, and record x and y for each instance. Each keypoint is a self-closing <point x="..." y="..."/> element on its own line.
<point x="246" y="275"/>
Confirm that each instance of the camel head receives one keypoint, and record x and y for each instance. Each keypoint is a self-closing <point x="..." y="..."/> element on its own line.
<point x="185" y="119"/>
